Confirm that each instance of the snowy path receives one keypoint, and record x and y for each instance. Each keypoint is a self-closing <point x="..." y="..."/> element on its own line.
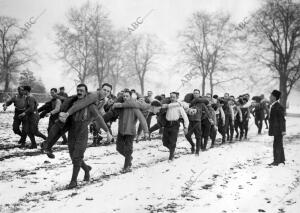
<point x="229" y="178"/>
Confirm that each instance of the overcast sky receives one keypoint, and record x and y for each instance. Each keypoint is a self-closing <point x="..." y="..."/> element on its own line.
<point x="167" y="18"/>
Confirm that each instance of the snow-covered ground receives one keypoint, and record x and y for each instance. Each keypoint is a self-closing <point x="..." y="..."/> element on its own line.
<point x="228" y="178"/>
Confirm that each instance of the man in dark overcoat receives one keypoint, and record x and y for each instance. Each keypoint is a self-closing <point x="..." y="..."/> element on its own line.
<point x="277" y="127"/>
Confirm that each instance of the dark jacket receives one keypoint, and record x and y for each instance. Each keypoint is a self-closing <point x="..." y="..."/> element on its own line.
<point x="277" y="120"/>
<point x="45" y="108"/>
<point x="91" y="98"/>
<point x="201" y="110"/>
<point x="31" y="105"/>
<point x="259" y="111"/>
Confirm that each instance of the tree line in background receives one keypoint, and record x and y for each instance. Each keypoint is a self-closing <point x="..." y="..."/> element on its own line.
<point x="211" y="44"/>
<point x="212" y="48"/>
<point x="15" y="55"/>
<point x="90" y="47"/>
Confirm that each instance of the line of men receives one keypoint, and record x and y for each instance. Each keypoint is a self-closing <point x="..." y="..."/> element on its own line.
<point x="201" y="116"/>
<point x="26" y="114"/>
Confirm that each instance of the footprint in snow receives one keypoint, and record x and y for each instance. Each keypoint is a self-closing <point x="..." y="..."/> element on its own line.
<point x="215" y="176"/>
<point x="290" y="202"/>
<point x="207" y="186"/>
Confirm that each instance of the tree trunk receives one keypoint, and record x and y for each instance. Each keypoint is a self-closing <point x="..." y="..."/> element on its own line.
<point x="7" y="80"/>
<point x="82" y="80"/>
<point x="203" y="85"/>
<point x="100" y="77"/>
<point x="114" y="86"/>
<point x="211" y="84"/>
<point x="283" y="90"/>
<point x="142" y="86"/>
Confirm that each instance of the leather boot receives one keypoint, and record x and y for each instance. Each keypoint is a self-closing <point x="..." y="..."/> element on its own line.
<point x="86" y="168"/>
<point x="73" y="183"/>
<point x="172" y="152"/>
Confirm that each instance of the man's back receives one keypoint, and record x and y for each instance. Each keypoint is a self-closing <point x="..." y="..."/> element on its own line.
<point x="127" y="121"/>
<point x="31" y="104"/>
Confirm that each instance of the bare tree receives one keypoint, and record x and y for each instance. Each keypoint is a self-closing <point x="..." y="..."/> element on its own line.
<point x="206" y="46"/>
<point x="74" y="43"/>
<point x="12" y="53"/>
<point x="276" y="28"/>
<point x="117" y="64"/>
<point x="142" y="52"/>
<point x="102" y="38"/>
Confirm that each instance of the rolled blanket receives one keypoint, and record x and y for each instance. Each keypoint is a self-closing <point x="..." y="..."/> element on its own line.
<point x="199" y="101"/>
<point x="256" y="99"/>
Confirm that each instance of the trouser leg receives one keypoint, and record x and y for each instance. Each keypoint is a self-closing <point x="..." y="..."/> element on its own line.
<point x="188" y="136"/>
<point x="170" y="135"/>
<point x="128" y="149"/>
<point x="242" y="130"/>
<point x="278" y="150"/>
<point x="32" y="139"/>
<point x="16" y="126"/>
<point x="226" y="127"/>
<point x="120" y="144"/>
<point x="205" y="132"/>
<point x="77" y="145"/>
<point x="245" y="127"/>
<point x="266" y="122"/>
<point x="56" y="131"/>
<point x="29" y="130"/>
<point x="221" y="131"/>
<point x="35" y="126"/>
<point x="260" y="125"/>
<point x="213" y="134"/>
<point x="231" y="128"/>
<point x="236" y="128"/>
<point x="165" y="137"/>
<point x="21" y="132"/>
